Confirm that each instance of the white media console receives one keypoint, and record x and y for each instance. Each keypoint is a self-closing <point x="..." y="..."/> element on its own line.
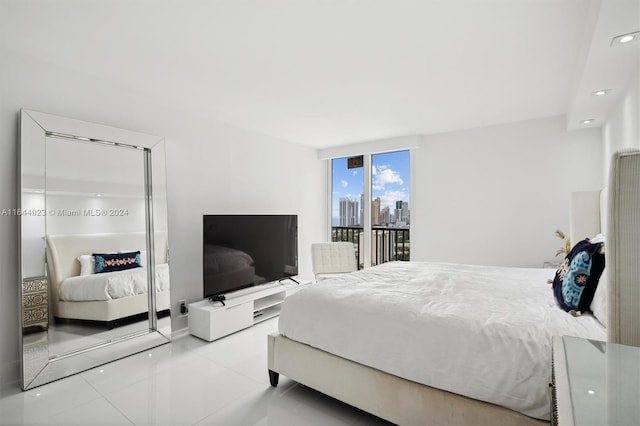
<point x="242" y="309"/>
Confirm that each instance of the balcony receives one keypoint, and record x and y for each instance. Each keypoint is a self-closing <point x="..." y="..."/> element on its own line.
<point x="387" y="243"/>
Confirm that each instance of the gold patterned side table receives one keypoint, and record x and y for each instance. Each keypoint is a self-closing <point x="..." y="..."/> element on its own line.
<point x="35" y="302"/>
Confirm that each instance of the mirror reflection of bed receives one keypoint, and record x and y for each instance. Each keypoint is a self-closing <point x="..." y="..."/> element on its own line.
<point x="229" y="267"/>
<point x="91" y="305"/>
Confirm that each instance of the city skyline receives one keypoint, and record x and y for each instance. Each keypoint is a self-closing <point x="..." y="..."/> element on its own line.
<point x="390" y="183"/>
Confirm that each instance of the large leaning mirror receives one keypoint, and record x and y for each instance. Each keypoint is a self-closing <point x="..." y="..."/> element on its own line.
<point x="94" y="245"/>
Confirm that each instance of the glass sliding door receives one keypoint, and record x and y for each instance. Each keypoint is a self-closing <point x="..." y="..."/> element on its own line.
<point x="347" y="202"/>
<point x="390" y="206"/>
<point x="386" y="202"/>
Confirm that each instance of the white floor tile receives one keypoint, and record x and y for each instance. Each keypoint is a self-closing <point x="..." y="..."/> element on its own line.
<point x="189" y="381"/>
<point x="272" y="408"/>
<point x="97" y="412"/>
<point x="181" y="395"/>
<point x="41" y="403"/>
<point x="253" y="367"/>
<point x="127" y="371"/>
<point x="290" y="404"/>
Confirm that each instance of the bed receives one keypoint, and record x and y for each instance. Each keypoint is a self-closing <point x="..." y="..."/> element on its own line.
<point x="446" y="344"/>
<point x="108" y="296"/>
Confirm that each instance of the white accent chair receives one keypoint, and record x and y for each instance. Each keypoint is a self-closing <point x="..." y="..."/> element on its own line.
<point x="333" y="259"/>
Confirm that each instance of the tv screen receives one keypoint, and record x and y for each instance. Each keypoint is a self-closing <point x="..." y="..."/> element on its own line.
<point x="241" y="251"/>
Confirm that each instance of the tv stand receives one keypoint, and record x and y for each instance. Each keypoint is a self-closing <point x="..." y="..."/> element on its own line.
<point x="210" y="320"/>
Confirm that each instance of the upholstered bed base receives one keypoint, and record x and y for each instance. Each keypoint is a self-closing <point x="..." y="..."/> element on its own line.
<point x="110" y="310"/>
<point x="387" y="396"/>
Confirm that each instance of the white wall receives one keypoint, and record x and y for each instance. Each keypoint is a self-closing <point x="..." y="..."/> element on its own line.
<point x="622" y="129"/>
<point x="496" y="195"/>
<point x="211" y="168"/>
<point x="129" y="214"/>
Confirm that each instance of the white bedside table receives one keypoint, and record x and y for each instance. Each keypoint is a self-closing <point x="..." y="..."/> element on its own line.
<point x="595" y="383"/>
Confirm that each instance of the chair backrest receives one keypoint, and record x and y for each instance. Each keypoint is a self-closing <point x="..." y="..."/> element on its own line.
<point x="333" y="258"/>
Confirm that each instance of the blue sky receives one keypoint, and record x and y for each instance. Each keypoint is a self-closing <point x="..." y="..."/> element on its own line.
<point x="390" y="180"/>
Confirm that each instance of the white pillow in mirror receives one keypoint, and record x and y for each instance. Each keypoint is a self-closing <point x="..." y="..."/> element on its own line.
<point x="87" y="264"/>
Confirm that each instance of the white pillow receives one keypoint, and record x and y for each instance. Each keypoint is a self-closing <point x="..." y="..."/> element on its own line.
<point x="599" y="302"/>
<point x="87" y="264"/>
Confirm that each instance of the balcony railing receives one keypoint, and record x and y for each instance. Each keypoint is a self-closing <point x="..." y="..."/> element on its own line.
<point x="387" y="243"/>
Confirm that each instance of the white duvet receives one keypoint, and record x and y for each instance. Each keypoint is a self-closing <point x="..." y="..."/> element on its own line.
<point x="479" y="331"/>
<point x="112" y="285"/>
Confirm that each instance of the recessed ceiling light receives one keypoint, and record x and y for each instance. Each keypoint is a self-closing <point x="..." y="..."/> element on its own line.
<point x="625" y="38"/>
<point x="601" y="92"/>
<point x="588" y="121"/>
<point x="98" y="195"/>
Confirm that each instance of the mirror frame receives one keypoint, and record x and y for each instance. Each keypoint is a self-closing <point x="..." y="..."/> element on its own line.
<point x="38" y="367"/>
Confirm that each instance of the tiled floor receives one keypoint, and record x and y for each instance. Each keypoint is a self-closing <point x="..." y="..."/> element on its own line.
<point x="186" y="382"/>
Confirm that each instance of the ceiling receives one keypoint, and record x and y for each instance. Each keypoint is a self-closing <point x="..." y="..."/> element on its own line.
<point x="324" y="73"/>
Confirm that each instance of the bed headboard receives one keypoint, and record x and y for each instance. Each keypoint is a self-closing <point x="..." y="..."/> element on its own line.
<point x="623" y="248"/>
<point x="615" y="212"/>
<point x="63" y="250"/>
<point x="588" y="216"/>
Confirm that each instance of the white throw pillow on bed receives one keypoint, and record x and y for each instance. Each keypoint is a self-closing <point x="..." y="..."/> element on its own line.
<point x="87" y="264"/>
<point x="599" y="302"/>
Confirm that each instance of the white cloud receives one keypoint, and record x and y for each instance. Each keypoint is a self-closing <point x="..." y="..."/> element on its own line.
<point x="383" y="175"/>
<point x="344" y="183"/>
<point x="389" y="198"/>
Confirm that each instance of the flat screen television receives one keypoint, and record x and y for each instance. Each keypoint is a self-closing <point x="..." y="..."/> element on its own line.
<point x="241" y="251"/>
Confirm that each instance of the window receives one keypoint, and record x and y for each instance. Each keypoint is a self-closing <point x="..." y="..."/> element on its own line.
<point x="347" y="203"/>
<point x="386" y="201"/>
<point x="390" y="213"/>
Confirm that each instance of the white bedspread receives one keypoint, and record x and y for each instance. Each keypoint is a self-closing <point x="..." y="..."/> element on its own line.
<point x="479" y="331"/>
<point x="112" y="285"/>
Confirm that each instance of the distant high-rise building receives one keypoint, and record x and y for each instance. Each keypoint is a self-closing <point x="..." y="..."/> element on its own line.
<point x="385" y="216"/>
<point x="375" y="212"/>
<point x="402" y="213"/>
<point x="349" y="212"/>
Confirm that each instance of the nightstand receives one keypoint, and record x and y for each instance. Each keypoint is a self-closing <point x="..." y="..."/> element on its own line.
<point x="35" y="302"/>
<point x="595" y="383"/>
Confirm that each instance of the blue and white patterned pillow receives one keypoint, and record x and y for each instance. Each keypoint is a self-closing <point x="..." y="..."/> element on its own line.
<point x="109" y="262"/>
<point x="577" y="278"/>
